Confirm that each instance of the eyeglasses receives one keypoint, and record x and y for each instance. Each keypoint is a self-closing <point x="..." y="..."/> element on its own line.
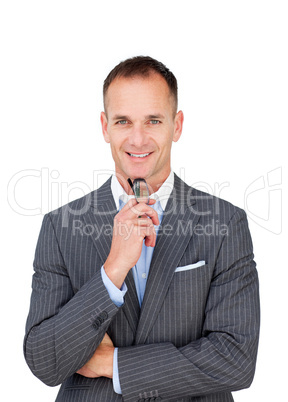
<point x="140" y="190"/>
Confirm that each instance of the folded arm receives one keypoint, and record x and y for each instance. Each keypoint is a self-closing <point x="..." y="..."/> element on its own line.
<point x="63" y="328"/>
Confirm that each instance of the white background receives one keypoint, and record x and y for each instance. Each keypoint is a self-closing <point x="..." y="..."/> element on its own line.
<point x="230" y="58"/>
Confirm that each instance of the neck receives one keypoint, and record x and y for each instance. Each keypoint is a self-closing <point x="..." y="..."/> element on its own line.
<point x="153" y="185"/>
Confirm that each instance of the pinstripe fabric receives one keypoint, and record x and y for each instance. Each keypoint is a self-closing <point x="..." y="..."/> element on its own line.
<point x="195" y="337"/>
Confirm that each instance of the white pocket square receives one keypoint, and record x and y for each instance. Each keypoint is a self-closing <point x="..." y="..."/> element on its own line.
<point x="191" y="266"/>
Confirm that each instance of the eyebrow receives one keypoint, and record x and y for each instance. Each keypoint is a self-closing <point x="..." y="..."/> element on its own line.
<point x="154" y="116"/>
<point x="148" y="117"/>
<point x="118" y="117"/>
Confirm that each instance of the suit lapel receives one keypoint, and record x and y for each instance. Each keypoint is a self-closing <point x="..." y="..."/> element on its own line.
<point x="131" y="306"/>
<point x="101" y="216"/>
<point x="174" y="234"/>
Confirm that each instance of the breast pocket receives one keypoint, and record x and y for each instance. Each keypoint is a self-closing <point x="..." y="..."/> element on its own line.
<point x="190" y="266"/>
<point x="181" y="317"/>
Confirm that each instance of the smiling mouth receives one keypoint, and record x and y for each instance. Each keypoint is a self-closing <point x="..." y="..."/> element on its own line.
<point x="139" y="155"/>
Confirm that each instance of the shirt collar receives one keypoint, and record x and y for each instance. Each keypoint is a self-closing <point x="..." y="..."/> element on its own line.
<point x="162" y="194"/>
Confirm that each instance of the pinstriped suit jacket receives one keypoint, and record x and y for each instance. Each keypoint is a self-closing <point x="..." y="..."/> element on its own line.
<point x="195" y="337"/>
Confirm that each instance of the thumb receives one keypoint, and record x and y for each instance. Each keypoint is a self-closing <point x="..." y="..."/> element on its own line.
<point x="107" y="340"/>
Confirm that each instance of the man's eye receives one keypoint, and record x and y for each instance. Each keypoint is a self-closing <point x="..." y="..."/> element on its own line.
<point x="122" y="122"/>
<point x="154" y="121"/>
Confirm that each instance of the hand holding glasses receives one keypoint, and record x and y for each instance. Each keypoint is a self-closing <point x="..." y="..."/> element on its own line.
<point x="140" y="190"/>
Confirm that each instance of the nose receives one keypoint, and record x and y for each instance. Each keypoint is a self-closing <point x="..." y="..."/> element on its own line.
<point x="138" y="137"/>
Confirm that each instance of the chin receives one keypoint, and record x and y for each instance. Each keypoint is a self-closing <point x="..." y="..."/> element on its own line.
<point x="139" y="174"/>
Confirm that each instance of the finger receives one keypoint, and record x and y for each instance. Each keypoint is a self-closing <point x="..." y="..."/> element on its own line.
<point x="151" y="201"/>
<point x="149" y="234"/>
<point x="129" y="204"/>
<point x="106" y="340"/>
<point x="132" y="202"/>
<point x="143" y="221"/>
<point x="143" y="209"/>
<point x="150" y="241"/>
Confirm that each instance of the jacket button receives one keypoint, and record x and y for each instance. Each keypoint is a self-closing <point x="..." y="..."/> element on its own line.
<point x="103" y="316"/>
<point x="100" y="319"/>
<point x="97" y="323"/>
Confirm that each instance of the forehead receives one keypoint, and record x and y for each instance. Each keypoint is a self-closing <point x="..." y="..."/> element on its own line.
<point x="138" y="92"/>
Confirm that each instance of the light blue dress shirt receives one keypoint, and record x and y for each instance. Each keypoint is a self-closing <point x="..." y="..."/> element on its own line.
<point x="140" y="270"/>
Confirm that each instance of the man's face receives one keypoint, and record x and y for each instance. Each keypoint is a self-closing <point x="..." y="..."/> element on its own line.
<point x="140" y="125"/>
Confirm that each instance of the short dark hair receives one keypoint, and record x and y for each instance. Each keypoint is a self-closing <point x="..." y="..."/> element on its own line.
<point x="142" y="66"/>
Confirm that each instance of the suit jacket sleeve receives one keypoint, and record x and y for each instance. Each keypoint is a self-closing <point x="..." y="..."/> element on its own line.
<point x="223" y="358"/>
<point x="63" y="327"/>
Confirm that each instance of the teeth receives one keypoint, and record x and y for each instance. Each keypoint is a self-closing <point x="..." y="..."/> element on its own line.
<point x="139" y="156"/>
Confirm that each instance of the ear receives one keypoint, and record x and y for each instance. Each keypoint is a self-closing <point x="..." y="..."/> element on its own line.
<point x="178" y="125"/>
<point x="104" y="123"/>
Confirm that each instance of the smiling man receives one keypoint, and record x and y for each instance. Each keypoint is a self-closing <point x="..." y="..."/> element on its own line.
<point x="140" y="123"/>
<point x="157" y="308"/>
